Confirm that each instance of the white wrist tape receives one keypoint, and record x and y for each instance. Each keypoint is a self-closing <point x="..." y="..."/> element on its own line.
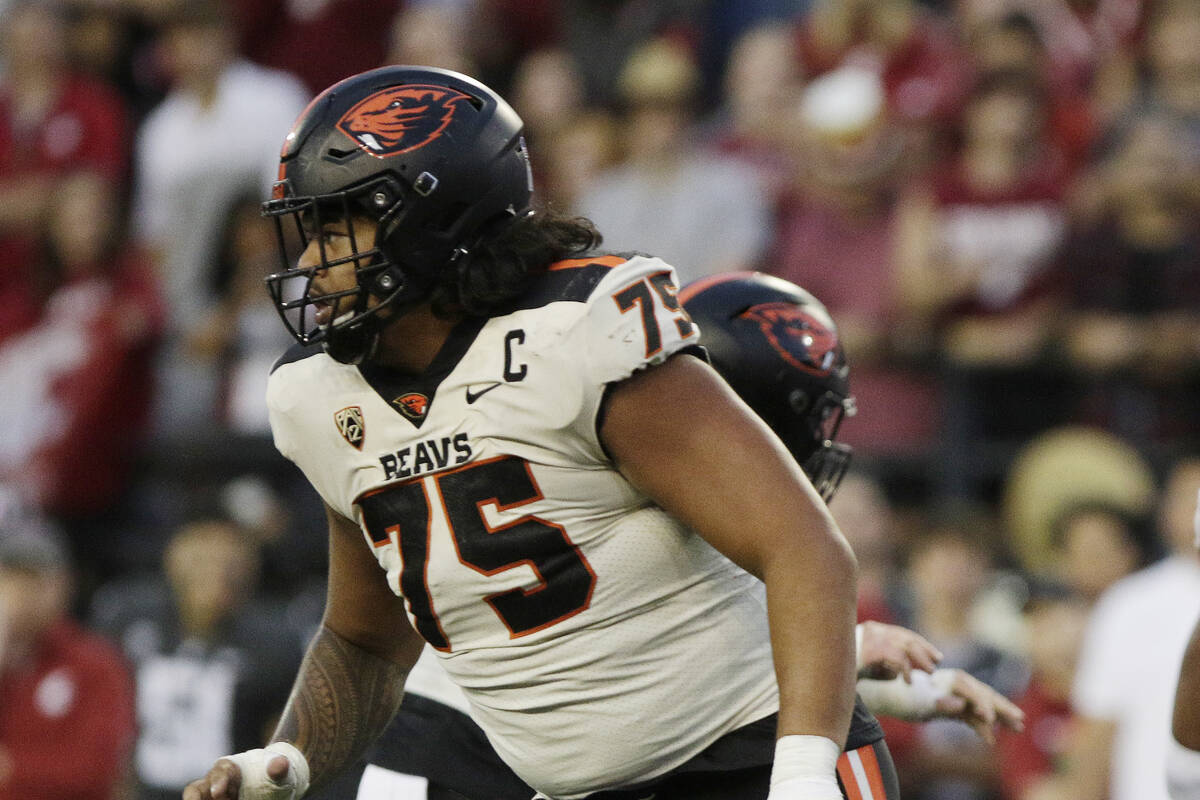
<point x="805" y="769"/>
<point x="255" y="783"/>
<point x="858" y="655"/>
<point x="915" y="702"/>
<point x="1183" y="772"/>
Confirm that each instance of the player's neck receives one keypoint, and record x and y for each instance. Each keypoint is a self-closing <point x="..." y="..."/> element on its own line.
<point x="413" y="341"/>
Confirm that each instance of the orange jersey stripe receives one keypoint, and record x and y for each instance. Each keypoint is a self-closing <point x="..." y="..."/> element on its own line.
<point x="572" y="263"/>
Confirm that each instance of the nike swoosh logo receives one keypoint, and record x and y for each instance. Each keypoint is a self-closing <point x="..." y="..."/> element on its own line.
<point x="473" y="396"/>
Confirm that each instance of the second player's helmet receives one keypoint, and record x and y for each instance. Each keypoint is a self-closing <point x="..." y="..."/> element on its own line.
<point x="777" y="347"/>
<point x="436" y="158"/>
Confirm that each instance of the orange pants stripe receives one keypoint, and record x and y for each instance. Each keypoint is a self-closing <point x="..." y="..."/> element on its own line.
<point x="860" y="774"/>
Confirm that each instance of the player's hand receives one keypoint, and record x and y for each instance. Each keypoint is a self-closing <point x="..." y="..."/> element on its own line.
<point x="974" y="702"/>
<point x="890" y="650"/>
<point x="225" y="781"/>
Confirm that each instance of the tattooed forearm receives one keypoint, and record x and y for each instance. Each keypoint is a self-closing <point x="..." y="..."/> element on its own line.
<point x="342" y="700"/>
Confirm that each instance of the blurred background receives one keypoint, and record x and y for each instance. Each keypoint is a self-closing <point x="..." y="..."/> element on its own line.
<point x="997" y="200"/>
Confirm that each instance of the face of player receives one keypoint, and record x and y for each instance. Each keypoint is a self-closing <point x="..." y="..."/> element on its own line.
<point x="340" y="239"/>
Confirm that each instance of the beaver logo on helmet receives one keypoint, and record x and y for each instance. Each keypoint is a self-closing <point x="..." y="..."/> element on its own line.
<point x="798" y="337"/>
<point x="400" y="119"/>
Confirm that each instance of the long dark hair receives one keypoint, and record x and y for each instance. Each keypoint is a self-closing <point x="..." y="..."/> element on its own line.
<point x="500" y="267"/>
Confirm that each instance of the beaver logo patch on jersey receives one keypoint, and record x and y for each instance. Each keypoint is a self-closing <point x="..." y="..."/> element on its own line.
<point x="400" y="119"/>
<point x="798" y="337"/>
<point x="350" y="425"/>
<point x="413" y="405"/>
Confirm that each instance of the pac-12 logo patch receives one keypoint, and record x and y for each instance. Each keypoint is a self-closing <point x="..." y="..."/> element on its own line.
<point x="400" y="119"/>
<point x="413" y="405"/>
<point x="798" y="337"/>
<point x="350" y="425"/>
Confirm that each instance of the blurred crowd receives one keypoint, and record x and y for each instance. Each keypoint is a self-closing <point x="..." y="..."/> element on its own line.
<point x="998" y="201"/>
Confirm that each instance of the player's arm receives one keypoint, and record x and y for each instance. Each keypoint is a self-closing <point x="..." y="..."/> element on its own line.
<point x="681" y="435"/>
<point x="348" y="689"/>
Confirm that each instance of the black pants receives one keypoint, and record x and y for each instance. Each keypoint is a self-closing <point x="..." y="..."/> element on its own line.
<point x="449" y="749"/>
<point x="865" y="773"/>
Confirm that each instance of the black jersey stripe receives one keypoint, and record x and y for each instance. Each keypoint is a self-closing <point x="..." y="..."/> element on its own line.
<point x="297" y="352"/>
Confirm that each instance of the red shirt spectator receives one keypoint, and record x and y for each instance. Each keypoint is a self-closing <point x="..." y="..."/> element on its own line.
<point x="318" y="42"/>
<point x="77" y="383"/>
<point x="86" y="126"/>
<point x="975" y="242"/>
<point x="66" y="695"/>
<point x="99" y="393"/>
<point x="50" y="120"/>
<point x="1013" y="43"/>
<point x="923" y="69"/>
<point x="1008" y="234"/>
<point x="1036" y="751"/>
<point x="1055" y="619"/>
<point x="66" y="719"/>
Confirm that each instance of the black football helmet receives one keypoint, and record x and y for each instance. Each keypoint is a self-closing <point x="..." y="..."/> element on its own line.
<point x="777" y="347"/>
<point x="434" y="157"/>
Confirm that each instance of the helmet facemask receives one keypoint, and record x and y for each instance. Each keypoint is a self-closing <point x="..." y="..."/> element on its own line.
<point x="778" y="348"/>
<point x="811" y="438"/>
<point x="828" y="463"/>
<point x="351" y="335"/>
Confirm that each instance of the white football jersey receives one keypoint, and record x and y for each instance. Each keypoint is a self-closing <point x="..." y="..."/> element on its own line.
<point x="599" y="642"/>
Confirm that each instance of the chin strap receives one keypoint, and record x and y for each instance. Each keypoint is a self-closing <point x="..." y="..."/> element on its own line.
<point x="353" y="344"/>
<point x="358" y="342"/>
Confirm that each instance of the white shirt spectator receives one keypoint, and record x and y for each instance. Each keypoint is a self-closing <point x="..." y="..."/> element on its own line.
<point x="194" y="160"/>
<point x="1129" y="667"/>
<point x="708" y="214"/>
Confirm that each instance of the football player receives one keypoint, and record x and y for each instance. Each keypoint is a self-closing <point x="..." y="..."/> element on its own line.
<point x="778" y="348"/>
<point x="526" y="465"/>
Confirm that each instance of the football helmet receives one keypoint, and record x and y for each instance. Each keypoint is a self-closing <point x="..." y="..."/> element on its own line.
<point x="777" y="347"/>
<point x="434" y="157"/>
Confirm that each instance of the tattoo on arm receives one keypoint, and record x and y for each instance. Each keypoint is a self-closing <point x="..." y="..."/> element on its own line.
<point x="342" y="700"/>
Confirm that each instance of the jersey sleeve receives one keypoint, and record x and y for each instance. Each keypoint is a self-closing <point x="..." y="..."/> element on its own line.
<point x="633" y="321"/>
